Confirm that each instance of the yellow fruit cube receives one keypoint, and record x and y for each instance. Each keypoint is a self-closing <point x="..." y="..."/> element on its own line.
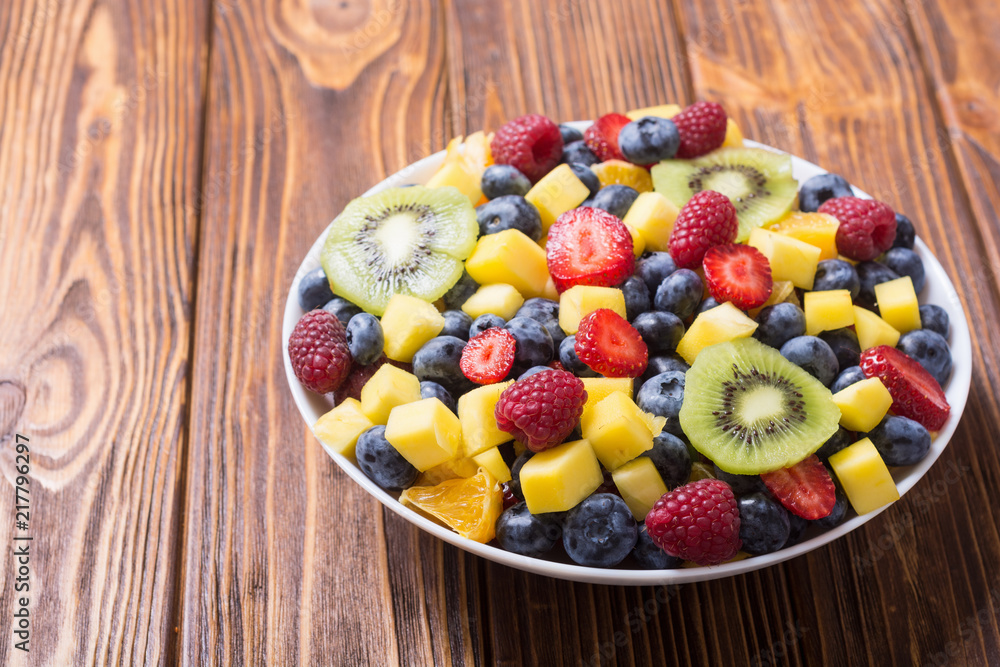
<point x="339" y="428"/>
<point x="581" y="300"/>
<point x="457" y="468"/>
<point x="897" y="302"/>
<point x="509" y="257"/>
<point x="499" y="298"/>
<point x="872" y="330"/>
<point x="550" y="292"/>
<point x="653" y="216"/>
<point x="493" y="461"/>
<point x="600" y="388"/>
<point x="389" y="387"/>
<point x="557" y="479"/>
<point x="408" y="323"/>
<point x="479" y="424"/>
<point x="781" y="291"/>
<point x="559" y="191"/>
<point x="425" y="433"/>
<point x="617" y="430"/>
<point x="818" y="229"/>
<point x="864" y="476"/>
<point x="458" y="176"/>
<point x="638" y="243"/>
<point x="640" y="484"/>
<point x="722" y="323"/>
<point x="863" y="404"/>
<point x="790" y="258"/>
<point x="734" y="137"/>
<point x="828" y="310"/>
<point x="661" y="111"/>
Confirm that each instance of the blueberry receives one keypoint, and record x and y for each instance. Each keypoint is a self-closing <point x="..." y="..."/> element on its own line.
<point x="742" y="485"/>
<point x="660" y="330"/>
<point x="900" y="441"/>
<point x="905" y="262"/>
<point x="836" y="515"/>
<point x="637" y="299"/>
<point x="365" y="338"/>
<point x="672" y="459"/>
<point x="905" y="234"/>
<point x="515" y="473"/>
<point x="531" y="371"/>
<point x="657" y="365"/>
<point x="840" y="439"/>
<point x="484" y="322"/>
<point x="844" y="343"/>
<point x="577" y="151"/>
<point x="586" y="176"/>
<point x="509" y="212"/>
<point x="430" y="389"/>
<point x="930" y="350"/>
<point x="382" y="463"/>
<point x="935" y="318"/>
<point x="834" y="274"/>
<point x="649" y="140"/>
<point x="847" y="377"/>
<point x="649" y="556"/>
<point x="819" y="188"/>
<point x="764" y="524"/>
<point x="708" y="304"/>
<point x="615" y="199"/>
<point x="460" y="292"/>
<point x="814" y="356"/>
<point x="600" y="531"/>
<point x="571" y="362"/>
<point x="438" y="360"/>
<point x="546" y="313"/>
<point x="680" y="293"/>
<point x="797" y="531"/>
<point x="779" y="323"/>
<point x="663" y="395"/>
<point x="500" y="180"/>
<point x="534" y="344"/>
<point x="521" y="532"/>
<point x="653" y="268"/>
<point x="456" y="323"/>
<point x="314" y="289"/>
<point x="569" y="134"/>
<point x="871" y="274"/>
<point x="342" y="309"/>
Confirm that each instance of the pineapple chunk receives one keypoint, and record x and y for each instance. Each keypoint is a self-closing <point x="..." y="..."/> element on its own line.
<point x="734" y="137"/>
<point x="509" y="257"/>
<point x="818" y="229"/>
<point x="339" y="428"/>
<point x="600" y="388"/>
<point x="722" y="323"/>
<point x="408" y="323"/>
<point x="550" y="292"/>
<point x="863" y="404"/>
<point x="425" y="433"/>
<point x="558" y="191"/>
<point x="638" y="242"/>
<point x="864" y="476"/>
<point x="872" y="330"/>
<point x="557" y="479"/>
<point x="479" y="424"/>
<point x="458" y="176"/>
<point x="464" y="164"/>
<point x="389" y="387"/>
<point x="661" y="111"/>
<point x="828" y="310"/>
<point x="617" y="430"/>
<point x="493" y="461"/>
<point x="499" y="299"/>
<point x="652" y="215"/>
<point x="640" y="484"/>
<point x="581" y="300"/>
<point x="897" y="302"/>
<point x="790" y="258"/>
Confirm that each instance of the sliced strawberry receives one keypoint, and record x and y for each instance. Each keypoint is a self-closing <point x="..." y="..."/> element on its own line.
<point x="738" y="273"/>
<point x="805" y="489"/>
<point x="589" y="246"/>
<point x="915" y="392"/>
<point x="489" y="356"/>
<point x="610" y="345"/>
<point x="602" y="137"/>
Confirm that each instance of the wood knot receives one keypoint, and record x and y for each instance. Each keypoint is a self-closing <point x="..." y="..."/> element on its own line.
<point x="12" y="400"/>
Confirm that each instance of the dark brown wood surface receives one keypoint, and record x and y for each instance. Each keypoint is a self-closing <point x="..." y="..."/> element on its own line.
<point x="165" y="166"/>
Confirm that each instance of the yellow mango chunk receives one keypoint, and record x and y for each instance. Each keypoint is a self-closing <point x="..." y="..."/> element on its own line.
<point x="479" y="424"/>
<point x="734" y="137"/>
<point x="339" y="428"/>
<point x="512" y="258"/>
<point x="559" y="191"/>
<point x="863" y="404"/>
<point x="408" y="323"/>
<point x="640" y="484"/>
<point x="790" y="258"/>
<point x="722" y="323"/>
<point x="493" y="461"/>
<point x="638" y="243"/>
<point x="425" y="433"/>
<point x="661" y="111"/>
<point x="456" y="175"/>
<point x="652" y="215"/>
<point x="389" y="387"/>
<point x="872" y="330"/>
<point x="499" y="298"/>
<point x="550" y="292"/>
<point x="581" y="300"/>
<point x="897" y="302"/>
<point x="617" y="430"/>
<point x="600" y="388"/>
<point x="864" y="476"/>
<point x="557" y="479"/>
<point x="464" y="164"/>
<point x="828" y="310"/>
<point x="818" y="229"/>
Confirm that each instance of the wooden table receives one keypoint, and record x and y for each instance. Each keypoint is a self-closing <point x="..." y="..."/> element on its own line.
<point x="165" y="165"/>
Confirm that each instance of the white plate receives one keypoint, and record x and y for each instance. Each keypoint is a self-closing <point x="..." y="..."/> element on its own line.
<point x="938" y="290"/>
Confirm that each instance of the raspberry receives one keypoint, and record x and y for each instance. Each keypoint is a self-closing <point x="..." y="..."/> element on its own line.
<point x="489" y="356"/>
<point x="915" y="392"/>
<point x="542" y="409"/>
<point x="699" y="522"/>
<point x="318" y="351"/>
<point x="608" y="344"/>
<point x="602" y="137"/>
<point x="702" y="127"/>
<point x="867" y="227"/>
<point x="532" y="144"/>
<point x="708" y="219"/>
<point x="359" y="376"/>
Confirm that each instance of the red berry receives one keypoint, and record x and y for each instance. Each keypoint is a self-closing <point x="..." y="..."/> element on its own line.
<point x="555" y="365"/>
<point x="359" y="376"/>
<point x="867" y="227"/>
<point x="608" y="344"/>
<point x="699" y="522"/>
<point x="530" y="143"/>
<point x="318" y="351"/>
<point x="509" y="499"/>
<point x="589" y="246"/>
<point x="602" y="137"/>
<point x="708" y="219"/>
<point x="702" y="127"/>
<point x="915" y="392"/>
<point x="805" y="489"/>
<point x="738" y="273"/>
<point x="542" y="409"/>
<point x="489" y="356"/>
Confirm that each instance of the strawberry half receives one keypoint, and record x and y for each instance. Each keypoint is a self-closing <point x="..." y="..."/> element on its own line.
<point x="738" y="273"/>
<point x="489" y="356"/>
<point x="588" y="246"/>
<point x="805" y="489"/>
<point x="915" y="392"/>
<point x="602" y="137"/>
<point x="610" y="345"/>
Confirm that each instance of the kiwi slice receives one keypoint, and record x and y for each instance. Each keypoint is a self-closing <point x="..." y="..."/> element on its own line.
<point x="751" y="410"/>
<point x="410" y="240"/>
<point x="758" y="182"/>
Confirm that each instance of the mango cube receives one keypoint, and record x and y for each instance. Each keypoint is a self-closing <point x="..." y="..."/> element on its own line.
<point x="408" y="323"/>
<point x="557" y="479"/>
<point x="790" y="258"/>
<point x="864" y="476"/>
<point x="558" y="191"/>
<point x="872" y="330"/>
<point x="581" y="300"/>
<point x="863" y="404"/>
<point x="509" y="257"/>
<point x="425" y="433"/>
<point x="828" y="310"/>
<point x="652" y="215"/>
<point x="638" y="243"/>
<point x="617" y="430"/>
<point x="389" y="387"/>
<point x="499" y="299"/>
<point x="661" y="111"/>
<point x="339" y="428"/>
<point x="640" y="484"/>
<point x="734" y="137"/>
<point x="493" y="461"/>
<point x="600" y="388"/>
<point x="458" y="176"/>
<point x="897" y="302"/>
<point x="818" y="229"/>
<point x="479" y="424"/>
<point x="718" y="325"/>
<point x="550" y="292"/>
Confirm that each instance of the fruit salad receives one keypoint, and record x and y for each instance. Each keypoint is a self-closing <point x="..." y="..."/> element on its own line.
<point x="644" y="345"/>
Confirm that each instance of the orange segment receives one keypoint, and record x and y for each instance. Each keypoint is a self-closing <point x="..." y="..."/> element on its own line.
<point x="620" y="172"/>
<point x="818" y="229"/>
<point x="469" y="506"/>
